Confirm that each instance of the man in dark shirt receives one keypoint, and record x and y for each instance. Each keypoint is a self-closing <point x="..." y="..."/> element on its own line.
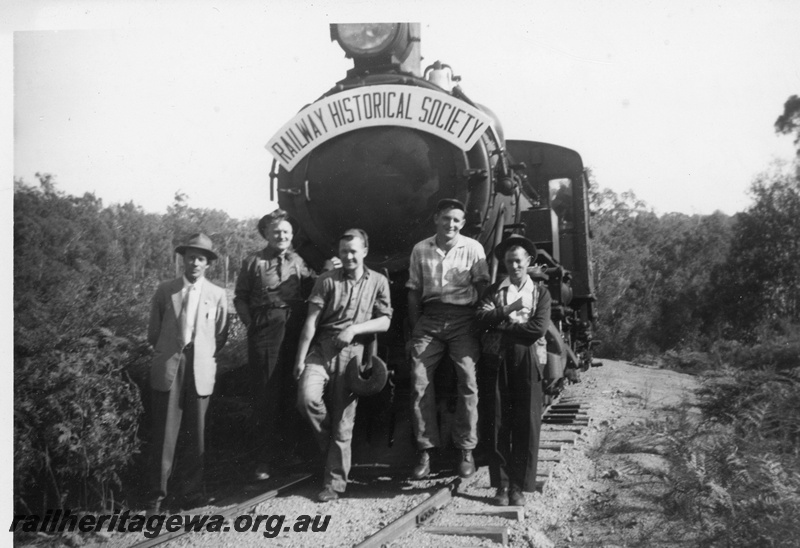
<point x="345" y="306"/>
<point x="270" y="300"/>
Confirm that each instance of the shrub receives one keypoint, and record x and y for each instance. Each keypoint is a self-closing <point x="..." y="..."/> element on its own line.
<point x="76" y="415"/>
<point x="688" y="361"/>
<point x="780" y="352"/>
<point x="736" y="474"/>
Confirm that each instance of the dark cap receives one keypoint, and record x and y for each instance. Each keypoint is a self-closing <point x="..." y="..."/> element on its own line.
<point x="515" y="240"/>
<point x="201" y="242"/>
<point x="450" y="203"/>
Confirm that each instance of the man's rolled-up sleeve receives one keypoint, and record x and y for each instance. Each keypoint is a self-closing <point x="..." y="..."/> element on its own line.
<point x="414" y="271"/>
<point x="480" y="268"/>
<point x="383" y="303"/>
<point x="319" y="294"/>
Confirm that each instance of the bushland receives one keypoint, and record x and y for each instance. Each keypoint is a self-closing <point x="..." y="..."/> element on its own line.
<point x="84" y="275"/>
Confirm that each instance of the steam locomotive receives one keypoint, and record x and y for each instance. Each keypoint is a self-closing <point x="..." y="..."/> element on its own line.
<point x="381" y="147"/>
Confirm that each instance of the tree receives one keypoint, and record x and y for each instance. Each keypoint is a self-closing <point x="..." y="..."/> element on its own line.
<point x="621" y="225"/>
<point x="759" y="285"/>
<point x="652" y="273"/>
<point x="684" y="250"/>
<point x="789" y="122"/>
<point x="84" y="275"/>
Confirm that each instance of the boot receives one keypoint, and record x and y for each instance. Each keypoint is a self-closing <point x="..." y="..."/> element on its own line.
<point x="466" y="465"/>
<point x="501" y="497"/>
<point x="423" y="467"/>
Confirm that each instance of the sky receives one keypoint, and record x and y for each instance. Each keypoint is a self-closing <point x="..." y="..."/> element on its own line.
<point x="674" y="100"/>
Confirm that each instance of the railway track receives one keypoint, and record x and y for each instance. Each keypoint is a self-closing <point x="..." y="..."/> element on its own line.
<point x="232" y="510"/>
<point x="562" y="423"/>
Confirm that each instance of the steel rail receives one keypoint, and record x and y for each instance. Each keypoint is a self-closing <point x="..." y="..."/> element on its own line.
<point x="412" y="518"/>
<point x="227" y="513"/>
<point x="442" y="497"/>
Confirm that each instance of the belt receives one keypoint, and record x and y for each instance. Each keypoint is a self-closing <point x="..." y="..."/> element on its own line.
<point x="272" y="307"/>
<point x="434" y="306"/>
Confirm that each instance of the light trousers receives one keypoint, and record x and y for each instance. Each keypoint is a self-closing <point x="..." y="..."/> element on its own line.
<point x="444" y="328"/>
<point x="330" y="407"/>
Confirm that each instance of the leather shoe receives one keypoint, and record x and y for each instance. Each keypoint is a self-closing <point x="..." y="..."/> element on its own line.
<point x="262" y="472"/>
<point x="423" y="467"/>
<point x="466" y="465"/>
<point x="516" y="497"/>
<point x="327" y="494"/>
<point x="501" y="497"/>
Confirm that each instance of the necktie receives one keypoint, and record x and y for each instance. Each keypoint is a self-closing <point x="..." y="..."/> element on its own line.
<point x="185" y="319"/>
<point x="280" y="264"/>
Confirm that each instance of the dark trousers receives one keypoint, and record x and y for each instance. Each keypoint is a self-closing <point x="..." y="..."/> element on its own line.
<point x="272" y="345"/>
<point x="178" y="415"/>
<point x="518" y="420"/>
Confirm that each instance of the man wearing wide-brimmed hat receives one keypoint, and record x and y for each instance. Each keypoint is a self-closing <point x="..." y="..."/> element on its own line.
<point x="188" y="326"/>
<point x="516" y="310"/>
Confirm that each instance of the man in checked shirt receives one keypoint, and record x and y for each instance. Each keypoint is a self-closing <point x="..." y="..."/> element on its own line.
<point x="346" y="307"/>
<point x="447" y="274"/>
<point x="270" y="299"/>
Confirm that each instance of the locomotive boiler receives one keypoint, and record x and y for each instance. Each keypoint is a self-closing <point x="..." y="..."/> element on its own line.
<point x="381" y="147"/>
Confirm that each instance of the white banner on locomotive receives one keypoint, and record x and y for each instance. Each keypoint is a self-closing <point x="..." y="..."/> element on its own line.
<point x="388" y="105"/>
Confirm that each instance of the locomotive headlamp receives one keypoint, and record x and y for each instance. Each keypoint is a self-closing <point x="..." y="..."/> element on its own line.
<point x="367" y="39"/>
<point x="379" y="47"/>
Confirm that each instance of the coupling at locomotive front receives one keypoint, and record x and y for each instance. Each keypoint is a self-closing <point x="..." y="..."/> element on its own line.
<point x="380" y="148"/>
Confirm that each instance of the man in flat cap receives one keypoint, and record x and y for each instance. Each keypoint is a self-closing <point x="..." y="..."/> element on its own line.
<point x="188" y="326"/>
<point x="447" y="274"/>
<point x="270" y="299"/>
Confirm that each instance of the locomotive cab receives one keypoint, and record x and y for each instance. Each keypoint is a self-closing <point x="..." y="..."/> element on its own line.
<point x="560" y="226"/>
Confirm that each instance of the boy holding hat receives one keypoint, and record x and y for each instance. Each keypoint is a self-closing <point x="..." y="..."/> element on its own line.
<point x="517" y="310"/>
<point x="188" y="326"/>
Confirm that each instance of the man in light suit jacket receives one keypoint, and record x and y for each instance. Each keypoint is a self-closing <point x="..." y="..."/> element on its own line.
<point x="188" y="326"/>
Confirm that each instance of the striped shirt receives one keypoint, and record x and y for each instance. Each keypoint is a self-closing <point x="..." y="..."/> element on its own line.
<point x="448" y="277"/>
